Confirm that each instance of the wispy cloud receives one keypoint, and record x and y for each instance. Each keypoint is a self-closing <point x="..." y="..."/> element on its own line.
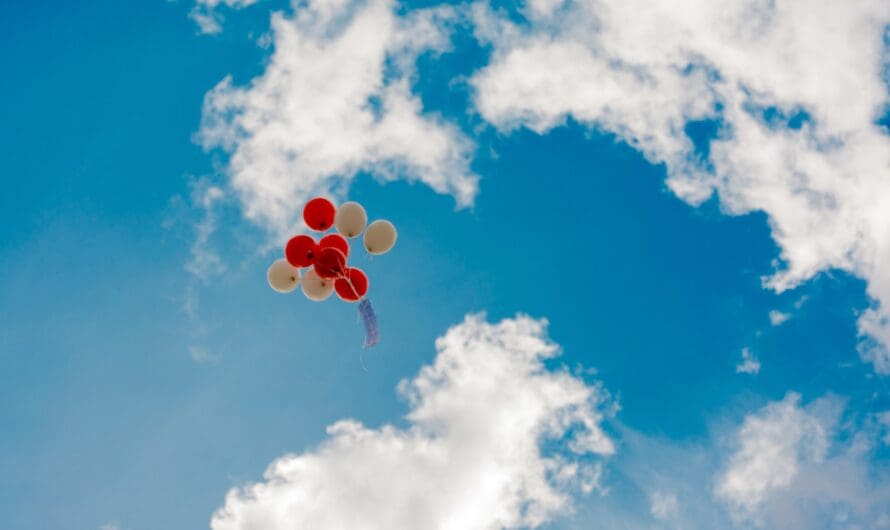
<point x="205" y="262"/>
<point x="207" y="16"/>
<point x="777" y="318"/>
<point x="202" y="355"/>
<point x="789" y="469"/>
<point x="663" y="505"/>
<point x="197" y="217"/>
<point x="787" y="465"/>
<point x="771" y="445"/>
<point x="884" y="422"/>
<point x="198" y="214"/>
<point x="750" y="363"/>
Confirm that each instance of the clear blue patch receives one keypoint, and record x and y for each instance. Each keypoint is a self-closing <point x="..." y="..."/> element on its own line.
<point x="884" y="121"/>
<point x="701" y="133"/>
<point x="775" y="117"/>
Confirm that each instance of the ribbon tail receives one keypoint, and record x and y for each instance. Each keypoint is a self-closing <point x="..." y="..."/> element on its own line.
<point x="369" y="319"/>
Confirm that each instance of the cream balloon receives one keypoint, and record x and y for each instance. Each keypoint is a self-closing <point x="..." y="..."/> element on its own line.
<point x="380" y="237"/>
<point x="315" y="288"/>
<point x="350" y="219"/>
<point x="282" y="276"/>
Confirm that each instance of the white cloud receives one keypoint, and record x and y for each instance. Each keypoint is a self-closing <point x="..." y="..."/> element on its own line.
<point x="784" y="466"/>
<point x="644" y="70"/>
<point x="663" y="505"/>
<point x="209" y="22"/>
<point x="202" y="355"/>
<point x="205" y="263"/>
<point x="884" y="423"/>
<point x="777" y="318"/>
<point x="206" y="14"/>
<point x="471" y="456"/>
<point x="750" y="363"/>
<point x="791" y="469"/>
<point x="336" y="100"/>
<point x="771" y="445"/>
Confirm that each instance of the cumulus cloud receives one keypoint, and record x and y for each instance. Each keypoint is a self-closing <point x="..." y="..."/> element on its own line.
<point x="795" y="87"/>
<point x="471" y="457"/>
<point x="335" y="100"/>
<point x="750" y="363"/>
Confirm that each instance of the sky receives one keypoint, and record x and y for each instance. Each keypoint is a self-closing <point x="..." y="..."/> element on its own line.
<point x="641" y="278"/>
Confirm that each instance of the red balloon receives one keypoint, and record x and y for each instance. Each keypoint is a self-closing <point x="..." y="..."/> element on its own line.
<point x="353" y="289"/>
<point x="319" y="214"/>
<point x="300" y="251"/>
<point x="330" y="263"/>
<point x="336" y="241"/>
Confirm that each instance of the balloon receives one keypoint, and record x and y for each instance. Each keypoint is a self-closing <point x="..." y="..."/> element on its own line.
<point x="300" y="251"/>
<point x="282" y="276"/>
<point x="353" y="288"/>
<point x="330" y="263"/>
<point x="319" y="214"/>
<point x="350" y="219"/>
<point x="380" y="237"/>
<point x="315" y="288"/>
<point x="336" y="241"/>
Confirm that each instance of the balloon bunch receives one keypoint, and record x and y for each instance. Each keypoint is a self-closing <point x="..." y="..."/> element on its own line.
<point x="325" y="260"/>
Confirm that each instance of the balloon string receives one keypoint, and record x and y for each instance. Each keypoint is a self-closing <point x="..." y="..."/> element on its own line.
<point x="361" y="355"/>
<point x="351" y="286"/>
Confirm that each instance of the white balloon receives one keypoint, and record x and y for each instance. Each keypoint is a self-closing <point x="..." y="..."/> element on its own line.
<point x="350" y="219"/>
<point x="380" y="237"/>
<point x="282" y="276"/>
<point x="315" y="288"/>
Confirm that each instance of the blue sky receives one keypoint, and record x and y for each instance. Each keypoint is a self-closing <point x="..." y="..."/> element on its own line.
<point x="134" y="394"/>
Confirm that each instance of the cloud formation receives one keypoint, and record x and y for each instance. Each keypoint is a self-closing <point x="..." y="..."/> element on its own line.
<point x="750" y="363"/>
<point x="662" y="505"/>
<point x="335" y="100"/>
<point x="206" y="13"/>
<point x="789" y="469"/>
<point x="777" y="318"/>
<point x="471" y="457"/>
<point x="771" y="445"/>
<point x="884" y="423"/>
<point x="787" y="465"/>
<point x="794" y="89"/>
